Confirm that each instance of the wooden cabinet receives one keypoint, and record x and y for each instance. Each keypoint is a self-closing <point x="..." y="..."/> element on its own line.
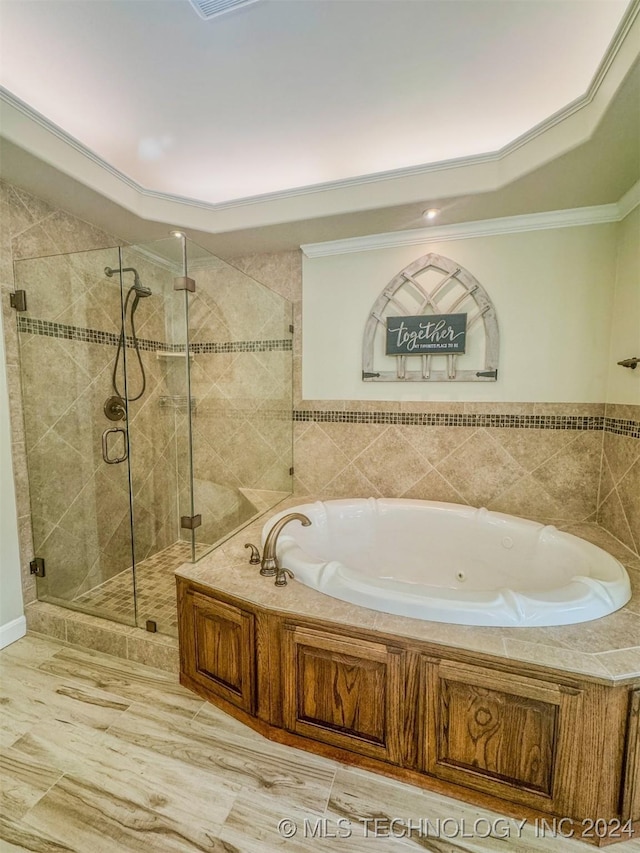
<point x="520" y="739"/>
<point x="500" y="733"/>
<point x="219" y="653"/>
<point x="343" y="691"/>
<point x="631" y="792"/>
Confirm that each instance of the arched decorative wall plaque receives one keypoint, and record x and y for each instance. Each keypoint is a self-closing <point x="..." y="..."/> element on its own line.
<point x="436" y="322"/>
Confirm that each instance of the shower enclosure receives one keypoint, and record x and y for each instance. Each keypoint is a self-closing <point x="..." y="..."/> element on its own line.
<point x="156" y="383"/>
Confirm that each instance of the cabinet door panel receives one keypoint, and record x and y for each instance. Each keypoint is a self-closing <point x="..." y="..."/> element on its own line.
<point x="222" y="657"/>
<point x="500" y="733"/>
<point x="343" y="691"/>
<point x="506" y="737"/>
<point x="631" y="792"/>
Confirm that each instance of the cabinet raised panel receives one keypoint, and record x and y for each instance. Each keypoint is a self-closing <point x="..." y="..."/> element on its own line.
<point x="343" y="691"/>
<point x="499" y="733"/>
<point x="631" y="792"/>
<point x="522" y="741"/>
<point x="507" y="737"/>
<point x="221" y="653"/>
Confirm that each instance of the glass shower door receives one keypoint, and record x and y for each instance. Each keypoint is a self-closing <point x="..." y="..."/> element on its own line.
<point x="157" y="417"/>
<point x="158" y="425"/>
<point x="76" y="454"/>
<point x="240" y="343"/>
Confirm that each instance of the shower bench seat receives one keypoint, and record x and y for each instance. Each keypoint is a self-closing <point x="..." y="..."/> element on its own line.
<point x="523" y="739"/>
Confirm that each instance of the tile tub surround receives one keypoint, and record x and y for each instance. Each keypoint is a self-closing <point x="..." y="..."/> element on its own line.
<point x="537" y="460"/>
<point x="128" y="740"/>
<point x="619" y="498"/>
<point x="606" y="649"/>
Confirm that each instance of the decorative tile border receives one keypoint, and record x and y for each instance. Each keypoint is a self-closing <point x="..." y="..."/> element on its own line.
<point x="32" y="326"/>
<point x="50" y="329"/>
<point x="618" y="426"/>
<point x="241" y="346"/>
<point x="499" y="421"/>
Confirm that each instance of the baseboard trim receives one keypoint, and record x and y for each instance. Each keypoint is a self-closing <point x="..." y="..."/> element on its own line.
<point x="12" y="631"/>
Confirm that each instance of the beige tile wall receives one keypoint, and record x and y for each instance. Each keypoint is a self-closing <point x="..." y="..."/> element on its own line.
<point x="242" y="430"/>
<point x="80" y="506"/>
<point x="28" y="226"/>
<point x="619" y="499"/>
<point x="543" y="474"/>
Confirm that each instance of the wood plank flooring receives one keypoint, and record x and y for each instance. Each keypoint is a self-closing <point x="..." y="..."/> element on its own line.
<point x="102" y="755"/>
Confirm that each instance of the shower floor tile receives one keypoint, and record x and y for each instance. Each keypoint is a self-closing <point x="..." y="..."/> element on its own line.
<point x="155" y="590"/>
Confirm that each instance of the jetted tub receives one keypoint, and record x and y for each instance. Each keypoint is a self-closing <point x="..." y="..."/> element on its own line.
<point x="450" y="563"/>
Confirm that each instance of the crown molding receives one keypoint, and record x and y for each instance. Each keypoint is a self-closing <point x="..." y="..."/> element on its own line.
<point x="597" y="215"/>
<point x="630" y="200"/>
<point x="13" y="102"/>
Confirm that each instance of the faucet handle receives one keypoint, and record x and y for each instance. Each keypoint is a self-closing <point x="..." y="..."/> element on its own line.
<point x="254" y="560"/>
<point x="281" y="576"/>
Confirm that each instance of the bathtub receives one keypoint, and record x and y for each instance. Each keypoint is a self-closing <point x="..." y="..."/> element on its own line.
<point x="450" y="563"/>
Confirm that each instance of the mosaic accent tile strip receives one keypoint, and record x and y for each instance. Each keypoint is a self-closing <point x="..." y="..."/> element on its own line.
<point x="622" y="427"/>
<point x="242" y="346"/>
<point x="30" y="325"/>
<point x="553" y="422"/>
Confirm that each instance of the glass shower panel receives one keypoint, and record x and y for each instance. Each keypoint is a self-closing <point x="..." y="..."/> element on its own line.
<point x="240" y="343"/>
<point x="79" y="502"/>
<point x="157" y="421"/>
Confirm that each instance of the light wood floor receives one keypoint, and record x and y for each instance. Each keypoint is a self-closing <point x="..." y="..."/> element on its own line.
<point x="102" y="754"/>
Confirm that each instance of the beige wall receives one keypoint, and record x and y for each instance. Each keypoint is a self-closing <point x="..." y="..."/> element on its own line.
<point x="550" y="474"/>
<point x="619" y="498"/>
<point x="623" y="385"/>
<point x="552" y="291"/>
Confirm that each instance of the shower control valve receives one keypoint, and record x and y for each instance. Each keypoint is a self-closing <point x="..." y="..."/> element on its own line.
<point x="115" y="409"/>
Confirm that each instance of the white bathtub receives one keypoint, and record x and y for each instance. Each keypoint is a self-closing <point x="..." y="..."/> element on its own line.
<point x="450" y="563"/>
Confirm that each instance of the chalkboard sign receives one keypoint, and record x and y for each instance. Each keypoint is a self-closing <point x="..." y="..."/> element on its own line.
<point x="426" y="334"/>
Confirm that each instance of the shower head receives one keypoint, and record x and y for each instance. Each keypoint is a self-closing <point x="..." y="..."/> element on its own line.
<point x="139" y="288"/>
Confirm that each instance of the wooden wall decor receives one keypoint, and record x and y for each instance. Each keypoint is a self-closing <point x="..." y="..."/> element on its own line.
<point x="434" y="286"/>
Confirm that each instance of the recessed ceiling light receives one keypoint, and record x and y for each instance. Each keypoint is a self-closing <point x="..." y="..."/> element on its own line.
<point x="431" y="213"/>
<point x="178" y="234"/>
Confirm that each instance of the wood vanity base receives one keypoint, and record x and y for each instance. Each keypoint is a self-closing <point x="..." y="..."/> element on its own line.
<point x="521" y="739"/>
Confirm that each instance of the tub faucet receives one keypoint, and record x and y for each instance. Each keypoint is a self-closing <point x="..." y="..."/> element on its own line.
<point x="269" y="562"/>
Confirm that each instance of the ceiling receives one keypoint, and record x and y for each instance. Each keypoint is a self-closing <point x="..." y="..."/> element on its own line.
<point x="286" y="121"/>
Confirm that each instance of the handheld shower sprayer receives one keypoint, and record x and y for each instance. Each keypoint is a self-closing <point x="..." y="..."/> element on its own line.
<point x="140" y="291"/>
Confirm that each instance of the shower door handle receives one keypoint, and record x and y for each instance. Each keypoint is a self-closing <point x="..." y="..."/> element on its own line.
<point x="105" y="446"/>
